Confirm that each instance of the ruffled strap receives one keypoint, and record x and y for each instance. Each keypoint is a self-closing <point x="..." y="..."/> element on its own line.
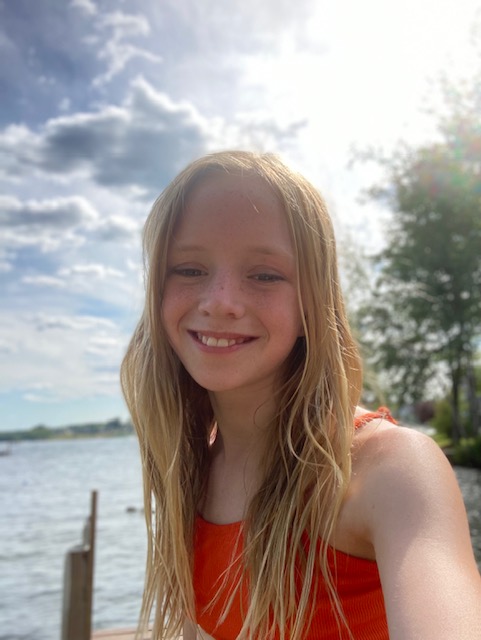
<point x="382" y="413"/>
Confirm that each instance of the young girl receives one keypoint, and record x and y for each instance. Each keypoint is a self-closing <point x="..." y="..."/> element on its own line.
<point x="275" y="506"/>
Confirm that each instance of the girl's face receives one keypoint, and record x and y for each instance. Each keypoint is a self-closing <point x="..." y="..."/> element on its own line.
<point x="230" y="306"/>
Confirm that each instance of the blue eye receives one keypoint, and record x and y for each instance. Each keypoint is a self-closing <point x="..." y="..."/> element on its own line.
<point x="187" y="272"/>
<point x="267" y="277"/>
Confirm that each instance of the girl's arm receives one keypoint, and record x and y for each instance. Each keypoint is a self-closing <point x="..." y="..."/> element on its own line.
<point x="417" y="522"/>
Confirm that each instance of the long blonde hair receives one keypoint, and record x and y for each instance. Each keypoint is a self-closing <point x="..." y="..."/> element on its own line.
<point x="308" y="469"/>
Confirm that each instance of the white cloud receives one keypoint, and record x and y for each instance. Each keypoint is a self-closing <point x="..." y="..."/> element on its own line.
<point x="87" y="6"/>
<point x="48" y="224"/>
<point x="142" y="143"/>
<point x="105" y="346"/>
<point x="54" y="213"/>
<point x="116" y="52"/>
<point x="117" y="229"/>
<point x="53" y="358"/>
<point x="45" y="321"/>
<point x="97" y="271"/>
<point x="45" y="398"/>
<point x="125" y="25"/>
<point x="44" y="281"/>
<point x="243" y="26"/>
<point x="45" y="240"/>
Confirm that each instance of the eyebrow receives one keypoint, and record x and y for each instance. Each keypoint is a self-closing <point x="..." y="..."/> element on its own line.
<point x="267" y="250"/>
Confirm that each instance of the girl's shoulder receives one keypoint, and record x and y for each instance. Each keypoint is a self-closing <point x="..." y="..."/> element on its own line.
<point x="388" y="456"/>
<point x="380" y="442"/>
<point x="405" y="505"/>
<point x="389" y="462"/>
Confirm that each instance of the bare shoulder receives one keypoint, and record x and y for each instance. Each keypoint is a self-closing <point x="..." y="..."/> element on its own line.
<point x="415" y="519"/>
<point x="380" y="444"/>
<point x="388" y="462"/>
<point x="403" y="471"/>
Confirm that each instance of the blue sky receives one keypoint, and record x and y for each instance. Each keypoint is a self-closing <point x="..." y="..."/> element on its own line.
<point x="103" y="102"/>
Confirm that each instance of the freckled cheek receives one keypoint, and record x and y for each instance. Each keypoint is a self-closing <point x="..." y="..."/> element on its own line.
<point x="169" y="304"/>
<point x="175" y="304"/>
<point x="286" y="312"/>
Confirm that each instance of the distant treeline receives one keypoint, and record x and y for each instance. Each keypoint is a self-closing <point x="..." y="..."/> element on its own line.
<point x="107" y="429"/>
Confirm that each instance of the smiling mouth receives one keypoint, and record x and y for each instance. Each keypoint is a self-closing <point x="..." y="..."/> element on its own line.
<point x="210" y="341"/>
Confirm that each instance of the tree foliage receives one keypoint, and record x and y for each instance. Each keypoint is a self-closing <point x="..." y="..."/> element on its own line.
<point x="424" y="315"/>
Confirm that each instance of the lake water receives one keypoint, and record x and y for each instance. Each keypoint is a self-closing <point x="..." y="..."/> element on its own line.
<point x="44" y="500"/>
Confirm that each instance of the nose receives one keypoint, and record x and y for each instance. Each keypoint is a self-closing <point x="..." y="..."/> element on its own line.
<point x="222" y="296"/>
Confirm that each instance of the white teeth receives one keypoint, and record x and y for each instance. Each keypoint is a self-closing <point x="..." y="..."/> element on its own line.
<point x="215" y="342"/>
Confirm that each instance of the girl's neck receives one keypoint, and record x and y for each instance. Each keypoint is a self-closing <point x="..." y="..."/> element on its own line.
<point x="236" y="470"/>
<point x="243" y="422"/>
<point x="239" y="453"/>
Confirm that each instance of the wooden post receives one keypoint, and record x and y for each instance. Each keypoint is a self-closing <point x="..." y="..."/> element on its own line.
<point x="78" y="582"/>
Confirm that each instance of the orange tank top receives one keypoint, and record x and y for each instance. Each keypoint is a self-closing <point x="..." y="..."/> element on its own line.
<point x="217" y="566"/>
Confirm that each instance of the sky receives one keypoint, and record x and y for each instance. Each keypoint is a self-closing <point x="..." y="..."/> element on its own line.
<point x="102" y="102"/>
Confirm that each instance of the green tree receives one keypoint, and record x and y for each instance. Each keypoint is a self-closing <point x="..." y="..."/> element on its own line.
<point x="424" y="315"/>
